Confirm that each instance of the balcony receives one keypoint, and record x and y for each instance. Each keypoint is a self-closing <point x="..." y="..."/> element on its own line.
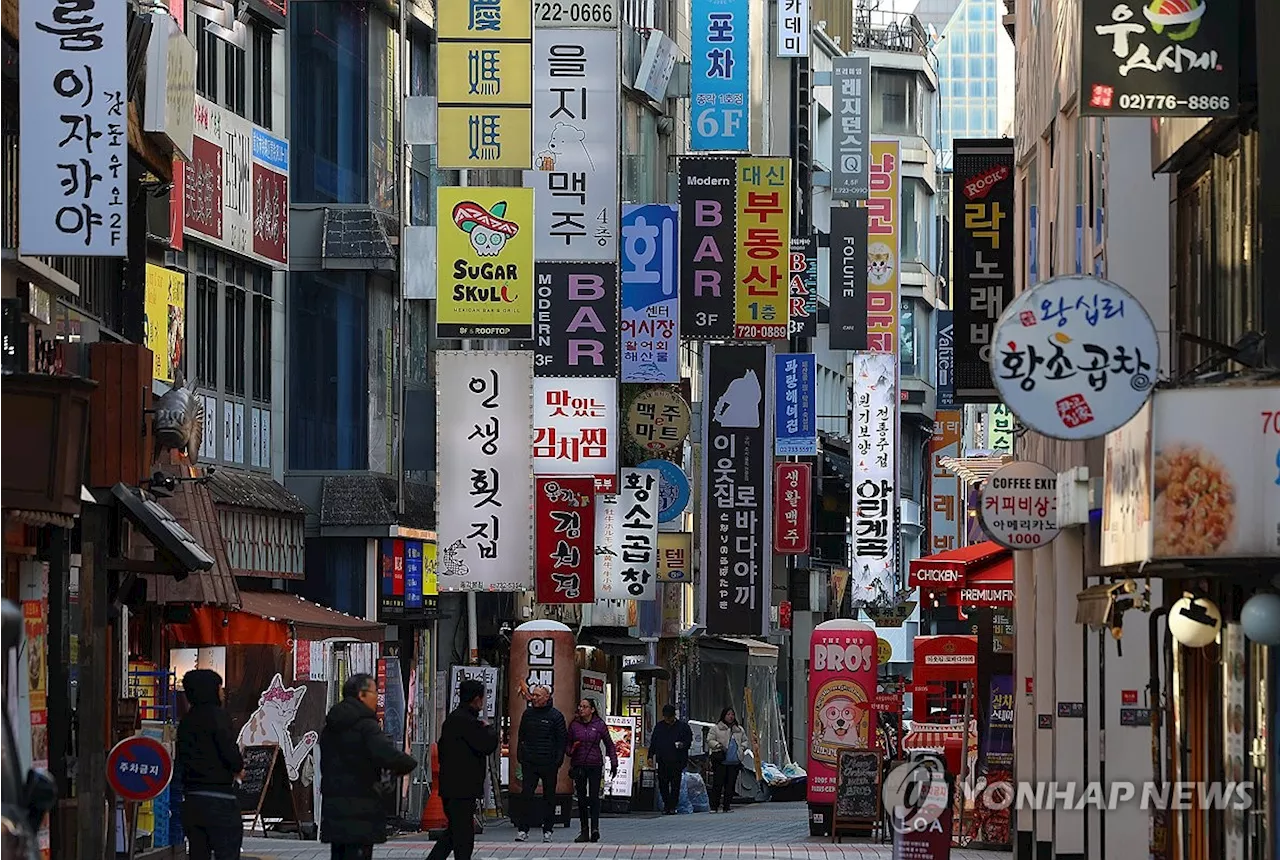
<point x="876" y="30"/>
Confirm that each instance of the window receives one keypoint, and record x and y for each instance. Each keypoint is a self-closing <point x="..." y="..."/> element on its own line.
<point x="643" y="177"/>
<point x="917" y="219"/>
<point x="234" y="84"/>
<point x="976" y="67"/>
<point x="207" y="49"/>
<point x="233" y="352"/>
<point x="262" y="45"/>
<point x="260" y="284"/>
<point x="907" y="339"/>
<point x="206" y="268"/>
<point x="895" y="107"/>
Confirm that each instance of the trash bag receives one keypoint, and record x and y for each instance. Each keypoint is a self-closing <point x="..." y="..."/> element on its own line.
<point x="694" y="791"/>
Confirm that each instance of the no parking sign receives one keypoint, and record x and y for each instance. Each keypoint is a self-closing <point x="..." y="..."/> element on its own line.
<point x="139" y="769"/>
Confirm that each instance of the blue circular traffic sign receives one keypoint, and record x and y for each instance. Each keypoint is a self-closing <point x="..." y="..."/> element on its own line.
<point x="673" y="488"/>
<point x="139" y="769"/>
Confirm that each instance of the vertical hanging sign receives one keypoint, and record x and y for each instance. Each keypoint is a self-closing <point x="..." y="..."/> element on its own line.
<point x="875" y="496"/>
<point x="626" y="539"/>
<point x="564" y="566"/>
<point x="575" y="429"/>
<point x="804" y="287"/>
<point x="575" y="320"/>
<point x="883" y="230"/>
<point x="946" y="359"/>
<point x="796" y="425"/>
<point x="792" y="487"/>
<point x="708" y="231"/>
<point x="944" y="522"/>
<point x="720" y="80"/>
<point x="762" y="292"/>
<point x="850" y="130"/>
<point x="649" y="285"/>
<point x="847" y="271"/>
<point x="793" y="28"/>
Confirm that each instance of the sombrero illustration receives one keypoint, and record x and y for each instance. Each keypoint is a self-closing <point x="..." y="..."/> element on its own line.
<point x="488" y="229"/>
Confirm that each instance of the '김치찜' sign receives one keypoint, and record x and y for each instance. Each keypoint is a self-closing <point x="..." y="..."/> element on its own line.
<point x="720" y="75"/>
<point x="1075" y="357"/>
<point x="762" y="297"/>
<point x="650" y="306"/>
<point x="792" y="487"/>
<point x="485" y="277"/>
<point x="796" y="404"/>
<point x="708" y="231"/>
<point x="564" y="569"/>
<point x="1019" y="506"/>
<point x="575" y="429"/>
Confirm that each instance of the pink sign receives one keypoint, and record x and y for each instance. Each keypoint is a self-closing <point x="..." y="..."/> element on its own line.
<point x="842" y="682"/>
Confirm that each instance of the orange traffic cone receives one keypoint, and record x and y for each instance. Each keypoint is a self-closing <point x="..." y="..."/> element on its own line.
<point x="433" y="817"/>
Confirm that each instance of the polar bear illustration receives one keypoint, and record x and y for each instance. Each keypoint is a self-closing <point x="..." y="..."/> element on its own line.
<point x="564" y="138"/>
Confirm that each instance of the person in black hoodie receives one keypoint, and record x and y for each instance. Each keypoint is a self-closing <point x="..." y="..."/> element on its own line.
<point x="669" y="746"/>
<point x="353" y="753"/>
<point x="466" y="742"/>
<point x="210" y="763"/>
<point x="542" y="741"/>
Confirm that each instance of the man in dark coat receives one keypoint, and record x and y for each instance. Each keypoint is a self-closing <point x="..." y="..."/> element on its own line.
<point x="542" y="742"/>
<point x="353" y="753"/>
<point x="210" y="763"/>
<point x="466" y="742"/>
<point x="669" y="746"/>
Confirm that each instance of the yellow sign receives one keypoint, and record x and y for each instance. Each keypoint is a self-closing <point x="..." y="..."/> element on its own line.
<point x="473" y="138"/>
<point x="675" y="551"/>
<point x="884" y="652"/>
<point x="481" y="20"/>
<point x="761" y="295"/>
<point x="882" y="247"/>
<point x="166" y="310"/>
<point x="484" y="269"/>
<point x="497" y="74"/>
<point x="429" y="585"/>
<point x="658" y="420"/>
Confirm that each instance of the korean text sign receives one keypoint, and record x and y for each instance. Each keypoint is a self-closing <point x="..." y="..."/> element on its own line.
<point x="575" y="429"/>
<point x="627" y="539"/>
<point x="851" y="128"/>
<point x="762" y="296"/>
<point x="720" y="65"/>
<point x="658" y="420"/>
<point x="1019" y="506"/>
<point x="484" y="492"/>
<point x="804" y="286"/>
<point x="848" y="274"/>
<point x="792" y="489"/>
<point x="883" y="240"/>
<point x="796" y="424"/>
<point x="675" y="550"/>
<point x="736" y="497"/>
<point x="485" y="115"/>
<point x="944" y="518"/>
<point x="650" y="301"/>
<point x="875" y="477"/>
<point x="484" y="269"/>
<point x="982" y="217"/>
<point x="708" y="233"/>
<point x="842" y="676"/>
<point x="564" y="566"/>
<point x="576" y="320"/>
<point x="575" y="163"/>
<point x="74" y="106"/>
<point x="404" y="581"/>
<point x="793" y="28"/>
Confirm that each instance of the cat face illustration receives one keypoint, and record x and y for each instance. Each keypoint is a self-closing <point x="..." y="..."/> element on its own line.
<point x="279" y="703"/>
<point x="880" y="263"/>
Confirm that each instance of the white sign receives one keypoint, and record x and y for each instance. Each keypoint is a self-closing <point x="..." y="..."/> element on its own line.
<point x="575" y="429"/>
<point x="575" y="133"/>
<point x="171" y="83"/>
<point x="875" y="477"/>
<point x="1019" y="506"/>
<point x="656" y="65"/>
<point x="623" y="732"/>
<point x="591" y="685"/>
<point x="484" y="484"/>
<point x="627" y="539"/>
<point x="487" y="675"/>
<point x="1075" y="357"/>
<point x="74" y="128"/>
<point x="575" y="13"/>
<point x="793" y="28"/>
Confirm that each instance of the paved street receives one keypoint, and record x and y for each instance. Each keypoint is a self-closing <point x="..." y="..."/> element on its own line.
<point x="772" y="831"/>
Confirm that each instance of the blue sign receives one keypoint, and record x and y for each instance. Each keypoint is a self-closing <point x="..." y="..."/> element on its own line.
<point x="413" y="574"/>
<point x="271" y="150"/>
<point x="720" y="84"/>
<point x="650" y="294"/>
<point x="796" y="405"/>
<point x="946" y="360"/>
<point x="673" y="488"/>
<point x="138" y="769"/>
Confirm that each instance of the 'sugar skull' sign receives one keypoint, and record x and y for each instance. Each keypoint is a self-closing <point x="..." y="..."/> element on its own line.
<point x="488" y="230"/>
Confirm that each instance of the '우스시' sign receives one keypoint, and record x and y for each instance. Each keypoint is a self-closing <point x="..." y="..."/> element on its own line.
<point x="564" y="559"/>
<point x="708" y="232"/>
<point x="762" y="296"/>
<point x="795" y="425"/>
<point x="720" y="75"/>
<point x="575" y="429"/>
<point x="1019" y="506"/>
<point x="649" y="284"/>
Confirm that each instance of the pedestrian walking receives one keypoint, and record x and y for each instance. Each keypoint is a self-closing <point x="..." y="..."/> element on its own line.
<point x="466" y="742"/>
<point x="210" y="762"/>
<point x="587" y="734"/>
<point x="354" y="752"/>
<point x="669" y="747"/>
<point x="540" y="752"/>
<point x="727" y="744"/>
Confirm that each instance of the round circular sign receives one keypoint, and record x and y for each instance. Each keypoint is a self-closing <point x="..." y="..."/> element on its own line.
<point x="1075" y="357"/>
<point x="138" y="769"/>
<point x="1019" y="506"/>
<point x="884" y="651"/>
<point x="658" y="420"/>
<point x="673" y="488"/>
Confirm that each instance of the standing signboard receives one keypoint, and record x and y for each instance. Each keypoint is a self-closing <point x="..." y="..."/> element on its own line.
<point x="796" y="421"/>
<point x="850" y="128"/>
<point x="848" y="274"/>
<point x="875" y="477"/>
<point x="792" y="487"/>
<point x="1019" y="506"/>
<point x="762" y="294"/>
<point x="649" y="285"/>
<point x="708" y="233"/>
<point x="575" y="429"/>
<point x="857" y="801"/>
<point x="576" y="320"/>
<point x="564" y="560"/>
<point x="487" y="675"/>
<point x="804" y="286"/>
<point x="622" y="731"/>
<point x="883" y="239"/>
<point x="842" y="675"/>
<point x="720" y="75"/>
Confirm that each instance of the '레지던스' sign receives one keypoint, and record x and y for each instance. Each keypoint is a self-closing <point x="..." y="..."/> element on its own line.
<point x="804" y="287"/>
<point x="564" y="554"/>
<point x="796" y="421"/>
<point x="627" y="539"/>
<point x="762" y="296"/>
<point x="576" y="320"/>
<point x="793" y="28"/>
<point x="575" y="429"/>
<point x="649" y="285"/>
<point x="658" y="420"/>
<point x="792" y="488"/>
<point x="851" y="128"/>
<point x="848" y="273"/>
<point x="720" y="75"/>
<point x="484" y="483"/>
<point x="1019" y="506"/>
<point x="708" y="233"/>
<point x="1075" y="357"/>
<point x="875" y="474"/>
<point x="883" y="233"/>
<point x="946" y="349"/>
<point x="484" y="253"/>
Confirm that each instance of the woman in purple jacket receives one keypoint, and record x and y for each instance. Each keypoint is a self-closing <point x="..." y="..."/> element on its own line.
<point x="586" y="765"/>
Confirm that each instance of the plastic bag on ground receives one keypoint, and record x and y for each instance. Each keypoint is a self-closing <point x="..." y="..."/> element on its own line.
<point x="693" y="795"/>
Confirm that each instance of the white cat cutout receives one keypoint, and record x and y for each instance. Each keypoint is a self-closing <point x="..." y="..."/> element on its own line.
<point x="277" y="707"/>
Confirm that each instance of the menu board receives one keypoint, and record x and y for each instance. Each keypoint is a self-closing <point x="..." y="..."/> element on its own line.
<point x="623" y="732"/>
<point x="857" y="788"/>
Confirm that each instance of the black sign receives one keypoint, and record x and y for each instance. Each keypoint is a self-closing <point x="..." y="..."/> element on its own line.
<point x="857" y="786"/>
<point x="1071" y="710"/>
<point x="946" y="359"/>
<point x="708" y="247"/>
<point x="1135" y="716"/>
<point x="982" y="217"/>
<point x="1170" y="58"/>
<point x="804" y="287"/>
<point x="575" y="320"/>
<point x="736" y="490"/>
<point x="1044" y="721"/>
<point x="259" y="763"/>
<point x="848" y="276"/>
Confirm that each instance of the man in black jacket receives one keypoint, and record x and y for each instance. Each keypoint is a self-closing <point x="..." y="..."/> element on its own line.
<point x="210" y="762"/>
<point x="669" y="746"/>
<point x="466" y="742"/>
<point x="353" y="753"/>
<point x="540" y="751"/>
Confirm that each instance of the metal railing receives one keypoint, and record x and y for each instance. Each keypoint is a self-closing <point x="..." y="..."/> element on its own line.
<point x="879" y="30"/>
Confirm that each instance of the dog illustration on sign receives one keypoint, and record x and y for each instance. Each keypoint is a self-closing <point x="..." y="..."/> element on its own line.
<point x="277" y="708"/>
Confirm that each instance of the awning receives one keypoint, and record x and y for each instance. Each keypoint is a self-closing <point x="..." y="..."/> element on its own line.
<point x="163" y="530"/>
<point x="190" y="507"/>
<point x="989" y="586"/>
<point x="733" y="649"/>
<point x="356" y="238"/>
<point x="310" y="621"/>
<point x="950" y="569"/>
<point x="612" y="641"/>
<point x="973" y="470"/>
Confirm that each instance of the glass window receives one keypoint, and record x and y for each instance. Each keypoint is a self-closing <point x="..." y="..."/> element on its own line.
<point x="991" y="120"/>
<point x="976" y="90"/>
<point x="907" y="358"/>
<point x="233" y="86"/>
<point x="262" y="37"/>
<point x="233" y="350"/>
<point x="206" y="269"/>
<point x="643" y="176"/>
<point x="975" y="119"/>
<point x="989" y="42"/>
<point x="977" y="67"/>
<point x="992" y="89"/>
<point x="207" y="50"/>
<point x="263" y="312"/>
<point x="895" y="107"/>
<point x="975" y="10"/>
<point x="989" y="66"/>
<point x="975" y="41"/>
<point x="957" y="67"/>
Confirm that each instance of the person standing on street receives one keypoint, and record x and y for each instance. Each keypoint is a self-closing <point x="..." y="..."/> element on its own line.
<point x="541" y="745"/>
<point x="586" y="765"/>
<point x="466" y="742"/>
<point x="669" y="747"/>
<point x="354" y="752"/>
<point x="727" y="744"/>
<point x="211" y="764"/>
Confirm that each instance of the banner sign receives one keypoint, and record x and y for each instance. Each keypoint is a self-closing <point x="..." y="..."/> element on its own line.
<point x="626" y="539"/>
<point x="792" y="491"/>
<point x="484" y="118"/>
<point x="999" y="430"/>
<point x="708" y="233"/>
<point x="575" y="126"/>
<point x="848" y="272"/>
<point x="883" y="230"/>
<point x="946" y="348"/>
<point x="875" y="477"/>
<point x="564" y="560"/>
<point x="944" y="516"/>
<point x="408" y="582"/>
<point x="575" y="429"/>
<point x="650" y="304"/>
<point x="796" y="404"/>
<point x="165" y="300"/>
<point x="487" y="675"/>
<point x="983" y="269"/>
<point x="763" y="293"/>
<point x="623" y="733"/>
<point x="484" y="483"/>
<point x="576" y="320"/>
<point x="675" y="554"/>
<point x="804" y="287"/>
<point x="720" y="75"/>
<point x="736" y="494"/>
<point x="793" y="28"/>
<point x="484" y="251"/>
<point x="851" y="130"/>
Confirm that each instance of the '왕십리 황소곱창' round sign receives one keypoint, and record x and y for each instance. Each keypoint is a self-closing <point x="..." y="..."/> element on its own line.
<point x="1075" y="357"/>
<point x="1018" y="506"/>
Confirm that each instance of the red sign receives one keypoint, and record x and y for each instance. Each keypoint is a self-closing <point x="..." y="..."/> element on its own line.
<point x="791" y="488"/>
<point x="202" y="199"/>
<point x="270" y="214"/>
<point x="138" y="769"/>
<point x="889" y="703"/>
<point x="565" y="560"/>
<point x="1128" y="697"/>
<point x="177" y="217"/>
<point x="784" y="615"/>
<point x="1030" y="686"/>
